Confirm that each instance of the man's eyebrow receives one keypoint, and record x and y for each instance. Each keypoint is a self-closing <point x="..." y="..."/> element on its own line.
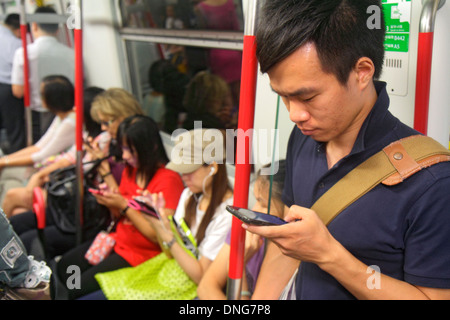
<point x="296" y="93"/>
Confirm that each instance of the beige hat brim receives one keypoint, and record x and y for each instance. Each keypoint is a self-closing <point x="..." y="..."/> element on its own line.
<point x="183" y="168"/>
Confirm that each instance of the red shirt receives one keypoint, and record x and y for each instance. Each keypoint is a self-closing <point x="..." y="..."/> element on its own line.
<point x="130" y="243"/>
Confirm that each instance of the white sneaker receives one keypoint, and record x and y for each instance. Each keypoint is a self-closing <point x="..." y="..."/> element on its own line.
<point x="38" y="272"/>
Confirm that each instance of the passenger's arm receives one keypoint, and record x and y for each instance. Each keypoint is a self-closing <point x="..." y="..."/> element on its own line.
<point x="57" y="138"/>
<point x="352" y="274"/>
<point x="39" y="178"/>
<point x="104" y="168"/>
<point x="271" y="282"/>
<point x="117" y="203"/>
<point x="213" y="282"/>
<point x="194" y="268"/>
<point x="306" y="238"/>
<point x="19" y="158"/>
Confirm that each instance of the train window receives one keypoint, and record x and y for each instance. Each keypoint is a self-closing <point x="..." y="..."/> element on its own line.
<point x="193" y="48"/>
<point x="223" y="15"/>
<point x="180" y="85"/>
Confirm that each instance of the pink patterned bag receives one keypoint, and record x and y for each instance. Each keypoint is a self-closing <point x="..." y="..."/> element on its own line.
<point x="100" y="248"/>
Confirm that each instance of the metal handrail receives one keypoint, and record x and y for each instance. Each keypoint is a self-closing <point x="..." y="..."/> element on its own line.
<point x="428" y="15"/>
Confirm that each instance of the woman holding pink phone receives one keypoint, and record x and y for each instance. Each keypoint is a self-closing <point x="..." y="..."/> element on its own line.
<point x="135" y="239"/>
<point x="191" y="238"/>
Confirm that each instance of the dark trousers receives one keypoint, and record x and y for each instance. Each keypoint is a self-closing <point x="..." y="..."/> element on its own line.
<point x="56" y="241"/>
<point x="88" y="283"/>
<point x="60" y="243"/>
<point x="41" y="121"/>
<point x="12" y="118"/>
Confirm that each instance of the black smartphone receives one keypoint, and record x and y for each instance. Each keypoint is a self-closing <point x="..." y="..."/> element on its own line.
<point x="255" y="218"/>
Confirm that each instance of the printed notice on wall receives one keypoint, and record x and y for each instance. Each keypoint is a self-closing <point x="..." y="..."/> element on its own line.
<point x="397" y="15"/>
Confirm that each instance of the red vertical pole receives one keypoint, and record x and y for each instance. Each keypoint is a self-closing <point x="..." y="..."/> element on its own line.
<point x="423" y="81"/>
<point x="79" y="87"/>
<point x="26" y="72"/>
<point x="79" y="106"/>
<point x="243" y="170"/>
<point x="424" y="63"/>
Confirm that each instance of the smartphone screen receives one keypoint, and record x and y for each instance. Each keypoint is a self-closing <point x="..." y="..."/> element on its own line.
<point x="255" y="218"/>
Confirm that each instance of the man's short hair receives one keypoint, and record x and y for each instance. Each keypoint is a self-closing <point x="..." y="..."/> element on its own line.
<point x="338" y="29"/>
<point x="47" y="27"/>
<point x="13" y="21"/>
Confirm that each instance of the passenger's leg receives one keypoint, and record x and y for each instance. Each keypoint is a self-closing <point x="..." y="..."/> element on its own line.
<point x="18" y="200"/>
<point x="88" y="284"/>
<point x="12" y="117"/>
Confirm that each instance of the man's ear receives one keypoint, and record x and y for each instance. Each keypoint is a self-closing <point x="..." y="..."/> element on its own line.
<point x="364" y="70"/>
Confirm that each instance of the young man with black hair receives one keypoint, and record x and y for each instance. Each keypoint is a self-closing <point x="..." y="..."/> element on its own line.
<point x="322" y="60"/>
<point x="47" y="56"/>
<point x="11" y="108"/>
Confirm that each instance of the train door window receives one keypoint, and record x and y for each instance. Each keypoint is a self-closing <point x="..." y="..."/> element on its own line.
<point x="183" y="14"/>
<point x="181" y="85"/>
<point x="184" y="60"/>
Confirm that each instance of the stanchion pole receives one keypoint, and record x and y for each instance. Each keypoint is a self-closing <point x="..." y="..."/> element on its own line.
<point x="79" y="106"/>
<point x="243" y="155"/>
<point x="26" y="73"/>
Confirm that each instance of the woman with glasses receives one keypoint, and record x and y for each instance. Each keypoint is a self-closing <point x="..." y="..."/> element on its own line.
<point x="112" y="104"/>
<point x="109" y="109"/>
<point x="175" y="273"/>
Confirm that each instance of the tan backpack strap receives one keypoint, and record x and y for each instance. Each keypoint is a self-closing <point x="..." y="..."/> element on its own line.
<point x="394" y="164"/>
<point x="413" y="154"/>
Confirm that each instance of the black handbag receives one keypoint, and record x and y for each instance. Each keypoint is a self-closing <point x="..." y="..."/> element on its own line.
<point x="62" y="201"/>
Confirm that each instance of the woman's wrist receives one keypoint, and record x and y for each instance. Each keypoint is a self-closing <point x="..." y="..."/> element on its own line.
<point x="106" y="174"/>
<point x="169" y="243"/>
<point x="4" y="161"/>
<point x="104" y="167"/>
<point x="123" y="212"/>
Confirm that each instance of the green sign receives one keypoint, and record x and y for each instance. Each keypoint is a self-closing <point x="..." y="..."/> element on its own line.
<point x="397" y="16"/>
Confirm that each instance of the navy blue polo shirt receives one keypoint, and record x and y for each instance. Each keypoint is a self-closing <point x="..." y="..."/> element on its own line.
<point x="403" y="230"/>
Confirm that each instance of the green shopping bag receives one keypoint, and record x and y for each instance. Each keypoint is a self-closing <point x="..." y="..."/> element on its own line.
<point x="159" y="278"/>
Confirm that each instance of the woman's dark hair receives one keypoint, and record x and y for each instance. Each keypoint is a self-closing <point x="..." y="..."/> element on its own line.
<point x="141" y="133"/>
<point x="338" y="28"/>
<point x="165" y="78"/>
<point x="92" y="127"/>
<point x="157" y="73"/>
<point x="58" y="93"/>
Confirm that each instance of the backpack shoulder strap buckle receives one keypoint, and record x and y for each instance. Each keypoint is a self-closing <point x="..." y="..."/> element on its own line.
<point x="403" y="155"/>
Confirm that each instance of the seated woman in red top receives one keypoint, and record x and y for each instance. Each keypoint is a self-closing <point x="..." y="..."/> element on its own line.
<point x="136" y="241"/>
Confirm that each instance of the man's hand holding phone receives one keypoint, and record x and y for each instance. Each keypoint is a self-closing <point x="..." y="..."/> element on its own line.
<point x="304" y="236"/>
